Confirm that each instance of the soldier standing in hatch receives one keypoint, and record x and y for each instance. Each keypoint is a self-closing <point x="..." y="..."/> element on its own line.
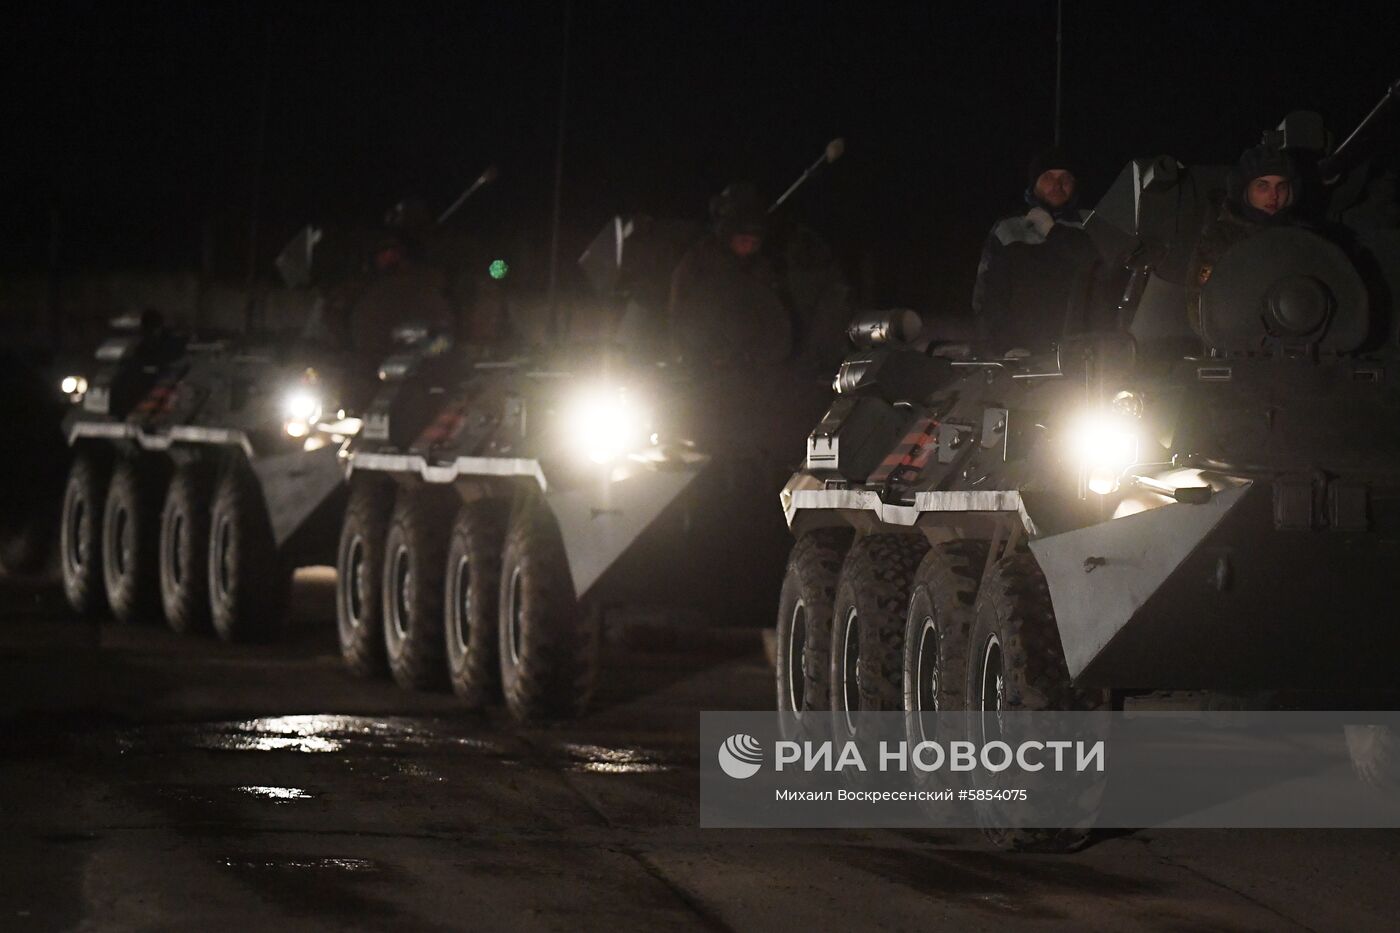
<point x="1261" y="192"/>
<point x="726" y="308"/>
<point x="399" y="283"/>
<point x="1033" y="261"/>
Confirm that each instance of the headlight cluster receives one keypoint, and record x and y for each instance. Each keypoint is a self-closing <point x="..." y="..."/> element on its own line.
<point x="1107" y="442"/>
<point x="301" y="409"/>
<point x="606" y="423"/>
<point x="75" y="387"/>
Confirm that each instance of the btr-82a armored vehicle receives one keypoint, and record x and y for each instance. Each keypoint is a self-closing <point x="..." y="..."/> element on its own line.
<point x="1147" y="508"/>
<point x="502" y="501"/>
<point x="204" y="471"/>
<point x="489" y="502"/>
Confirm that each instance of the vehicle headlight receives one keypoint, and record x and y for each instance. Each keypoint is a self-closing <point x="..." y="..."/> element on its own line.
<point x="75" y="387"/>
<point x="1104" y="443"/>
<point x="607" y="423"/>
<point x="301" y="409"/>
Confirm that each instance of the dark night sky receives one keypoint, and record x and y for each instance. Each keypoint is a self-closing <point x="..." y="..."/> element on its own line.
<point x="137" y="122"/>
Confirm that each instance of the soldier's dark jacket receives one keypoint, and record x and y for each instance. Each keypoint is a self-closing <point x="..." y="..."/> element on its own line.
<point x="726" y="311"/>
<point x="1227" y="229"/>
<point x="1026" y="278"/>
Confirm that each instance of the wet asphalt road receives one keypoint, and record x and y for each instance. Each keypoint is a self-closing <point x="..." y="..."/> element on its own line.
<point x="156" y="782"/>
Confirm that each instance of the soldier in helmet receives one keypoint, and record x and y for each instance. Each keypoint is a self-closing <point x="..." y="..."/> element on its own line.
<point x="1261" y="192"/>
<point x="1032" y="261"/>
<point x="389" y="283"/>
<point x="726" y="306"/>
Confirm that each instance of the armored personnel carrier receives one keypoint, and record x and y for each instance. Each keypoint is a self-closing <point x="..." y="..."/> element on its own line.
<point x="502" y="502"/>
<point x="202" y="473"/>
<point x="205" y="470"/>
<point x="1147" y="509"/>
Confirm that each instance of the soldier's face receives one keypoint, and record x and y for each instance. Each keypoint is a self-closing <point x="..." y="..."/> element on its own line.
<point x="1055" y="187"/>
<point x="1270" y="193"/>
<point x="744" y="245"/>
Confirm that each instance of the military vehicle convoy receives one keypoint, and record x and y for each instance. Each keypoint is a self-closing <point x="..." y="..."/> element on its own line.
<point x="1146" y="509"/>
<point x="501" y="503"/>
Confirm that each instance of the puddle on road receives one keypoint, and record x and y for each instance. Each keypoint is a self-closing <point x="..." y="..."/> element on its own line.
<point x="275" y="794"/>
<point x="266" y="743"/>
<point x="311" y="734"/>
<point x="301" y="862"/>
<point x="598" y="759"/>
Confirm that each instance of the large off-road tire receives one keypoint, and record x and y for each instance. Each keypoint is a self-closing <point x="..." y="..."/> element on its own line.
<point x="415" y="559"/>
<point x="131" y="540"/>
<point x="359" y="564"/>
<point x="804" y="628"/>
<point x="80" y="535"/>
<point x="1375" y="756"/>
<point x="472" y="599"/>
<point x="549" y="645"/>
<point x="249" y="581"/>
<point x="867" y="644"/>
<point x="941" y="613"/>
<point x="184" y="549"/>
<point x="1016" y="663"/>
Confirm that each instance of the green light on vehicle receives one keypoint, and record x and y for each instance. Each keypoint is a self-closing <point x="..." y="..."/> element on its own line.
<point x="499" y="269"/>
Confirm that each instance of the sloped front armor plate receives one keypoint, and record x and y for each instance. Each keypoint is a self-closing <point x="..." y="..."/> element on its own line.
<point x="600" y="521"/>
<point x="1216" y="597"/>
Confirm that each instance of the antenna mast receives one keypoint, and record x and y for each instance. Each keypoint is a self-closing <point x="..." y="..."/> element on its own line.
<point x="1059" y="61"/>
<point x="557" y="326"/>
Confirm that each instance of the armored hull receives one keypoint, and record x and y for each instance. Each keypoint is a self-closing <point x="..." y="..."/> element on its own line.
<point x="223" y="461"/>
<point x="1198" y="501"/>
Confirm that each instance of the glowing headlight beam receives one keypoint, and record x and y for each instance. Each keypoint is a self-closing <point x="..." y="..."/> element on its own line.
<point x="1104" y="444"/>
<point x="301" y="406"/>
<point x="301" y="409"/>
<point x="607" y="424"/>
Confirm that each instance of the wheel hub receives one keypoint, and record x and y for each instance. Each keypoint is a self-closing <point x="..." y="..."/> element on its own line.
<point x="403" y="583"/>
<point x="462" y="599"/>
<point x="926" y="672"/>
<point x="355" y="585"/>
<point x="177" y="547"/>
<point x="993" y="688"/>
<point x="77" y="530"/>
<point x="223" y="547"/>
<point x="514" y="614"/>
<point x="850" y="669"/>
<point x="121" y="540"/>
<point x="797" y="643"/>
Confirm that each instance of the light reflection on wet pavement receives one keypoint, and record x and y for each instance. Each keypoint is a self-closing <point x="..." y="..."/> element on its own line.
<point x="600" y="760"/>
<point x="394" y="735"/>
<point x="275" y="794"/>
<point x="313" y="864"/>
<point x="312" y="734"/>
